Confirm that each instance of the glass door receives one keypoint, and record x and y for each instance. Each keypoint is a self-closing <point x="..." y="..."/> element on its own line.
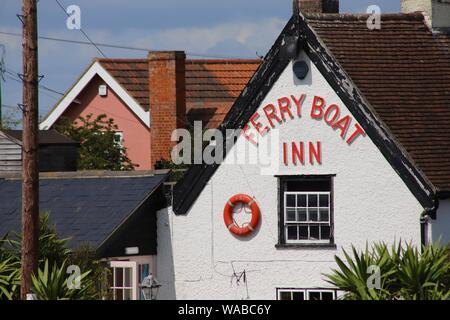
<point x="124" y="280"/>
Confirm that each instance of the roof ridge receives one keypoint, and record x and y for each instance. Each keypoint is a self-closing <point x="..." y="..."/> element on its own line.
<point x="222" y="61"/>
<point x="414" y="16"/>
<point x="120" y="60"/>
<point x="93" y="174"/>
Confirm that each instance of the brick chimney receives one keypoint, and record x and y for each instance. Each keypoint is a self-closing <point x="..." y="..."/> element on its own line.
<point x="167" y="91"/>
<point x="436" y="12"/>
<point x="318" y="6"/>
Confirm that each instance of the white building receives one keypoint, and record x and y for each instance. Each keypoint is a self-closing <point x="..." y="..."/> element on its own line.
<point x="362" y="156"/>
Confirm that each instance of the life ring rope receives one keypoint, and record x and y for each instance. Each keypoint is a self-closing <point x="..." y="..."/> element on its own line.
<point x="247" y="227"/>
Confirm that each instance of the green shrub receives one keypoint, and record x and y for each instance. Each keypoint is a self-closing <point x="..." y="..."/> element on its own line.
<point x="405" y="273"/>
<point x="53" y="284"/>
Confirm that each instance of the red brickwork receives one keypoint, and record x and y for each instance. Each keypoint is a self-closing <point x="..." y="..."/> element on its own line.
<point x="167" y="94"/>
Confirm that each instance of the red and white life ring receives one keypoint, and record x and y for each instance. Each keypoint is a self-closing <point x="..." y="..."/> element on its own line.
<point x="247" y="228"/>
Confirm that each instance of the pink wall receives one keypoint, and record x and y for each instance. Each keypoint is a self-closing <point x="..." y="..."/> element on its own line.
<point x="135" y="133"/>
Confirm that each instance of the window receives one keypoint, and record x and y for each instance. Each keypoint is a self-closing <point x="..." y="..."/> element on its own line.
<point x="118" y="136"/>
<point x="124" y="283"/>
<point x="306" y="294"/>
<point x="306" y="210"/>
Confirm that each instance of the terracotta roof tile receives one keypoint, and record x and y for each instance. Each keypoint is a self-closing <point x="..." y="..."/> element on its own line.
<point x="404" y="72"/>
<point x="211" y="85"/>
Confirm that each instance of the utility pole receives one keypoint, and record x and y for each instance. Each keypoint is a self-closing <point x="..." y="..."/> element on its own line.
<point x="30" y="172"/>
<point x="2" y="62"/>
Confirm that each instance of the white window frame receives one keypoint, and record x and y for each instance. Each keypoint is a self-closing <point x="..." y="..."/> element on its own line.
<point x="307" y="223"/>
<point x="125" y="265"/>
<point x="306" y="292"/>
<point x="119" y="134"/>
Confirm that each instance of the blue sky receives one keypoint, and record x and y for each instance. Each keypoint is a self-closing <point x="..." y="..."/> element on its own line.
<point x="235" y="28"/>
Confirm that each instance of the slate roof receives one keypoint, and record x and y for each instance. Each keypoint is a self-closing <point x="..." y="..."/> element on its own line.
<point x="46" y="137"/>
<point x="403" y="70"/>
<point x="84" y="208"/>
<point x="211" y="85"/>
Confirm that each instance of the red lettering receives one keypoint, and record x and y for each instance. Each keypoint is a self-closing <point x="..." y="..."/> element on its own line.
<point x="358" y="132"/>
<point x="250" y="136"/>
<point x="270" y="112"/>
<point x="333" y="108"/>
<point x="285" y="154"/>
<point x="315" y="153"/>
<point x="298" y="154"/>
<point x="299" y="104"/>
<point x="317" y="108"/>
<point x="258" y="125"/>
<point x="285" y="107"/>
<point x="343" y="125"/>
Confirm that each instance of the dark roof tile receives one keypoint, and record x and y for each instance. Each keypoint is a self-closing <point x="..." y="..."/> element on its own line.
<point x="83" y="209"/>
<point x="403" y="70"/>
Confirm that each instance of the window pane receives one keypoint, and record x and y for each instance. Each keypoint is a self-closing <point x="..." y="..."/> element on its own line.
<point x="118" y="294"/>
<point x="323" y="200"/>
<point x="301" y="200"/>
<point x="298" y="296"/>
<point x="292" y="233"/>
<point x="313" y="215"/>
<point x="127" y="277"/>
<point x="285" y="295"/>
<point x="312" y="200"/>
<point x="301" y="215"/>
<point x="127" y="294"/>
<point x="324" y="215"/>
<point x="119" y="277"/>
<point x="325" y="232"/>
<point x="314" y="295"/>
<point x="314" y="233"/>
<point x="327" y="296"/>
<point x="290" y="200"/>
<point x="303" y="233"/>
<point x="290" y="215"/>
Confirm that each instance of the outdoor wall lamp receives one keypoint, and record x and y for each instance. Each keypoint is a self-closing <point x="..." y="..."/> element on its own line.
<point x="150" y="287"/>
<point x="301" y="69"/>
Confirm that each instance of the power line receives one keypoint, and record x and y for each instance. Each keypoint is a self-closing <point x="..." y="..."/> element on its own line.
<point x="81" y="30"/>
<point x="114" y="46"/>
<point x="15" y="76"/>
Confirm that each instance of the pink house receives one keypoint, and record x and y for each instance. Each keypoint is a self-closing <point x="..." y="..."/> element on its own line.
<point x="149" y="98"/>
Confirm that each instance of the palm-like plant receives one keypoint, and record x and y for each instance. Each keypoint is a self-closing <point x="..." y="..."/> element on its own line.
<point x="405" y="273"/>
<point x="354" y="277"/>
<point x="53" y="285"/>
<point x="9" y="279"/>
<point x="423" y="276"/>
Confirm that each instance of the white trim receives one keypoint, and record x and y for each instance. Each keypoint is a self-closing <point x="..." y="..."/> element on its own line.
<point x="306" y="292"/>
<point x="95" y="69"/>
<point x="134" y="280"/>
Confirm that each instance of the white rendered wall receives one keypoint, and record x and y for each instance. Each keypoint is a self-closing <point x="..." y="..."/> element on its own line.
<point x="197" y="255"/>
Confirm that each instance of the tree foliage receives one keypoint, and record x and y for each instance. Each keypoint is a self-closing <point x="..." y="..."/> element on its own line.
<point x="100" y="148"/>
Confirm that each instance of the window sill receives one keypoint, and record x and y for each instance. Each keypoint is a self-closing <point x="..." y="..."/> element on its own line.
<point x="306" y="246"/>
